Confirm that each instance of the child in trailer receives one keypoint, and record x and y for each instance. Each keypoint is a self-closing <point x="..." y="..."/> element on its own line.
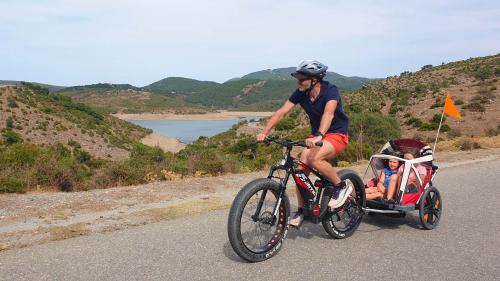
<point x="388" y="179"/>
<point x="412" y="185"/>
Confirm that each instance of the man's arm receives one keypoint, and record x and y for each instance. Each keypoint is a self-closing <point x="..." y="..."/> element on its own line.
<point x="328" y="115"/>
<point x="275" y="119"/>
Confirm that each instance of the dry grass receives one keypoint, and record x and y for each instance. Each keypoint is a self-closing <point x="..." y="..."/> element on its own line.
<point x="69" y="231"/>
<point x="62" y="214"/>
<point x="455" y="144"/>
<point x="188" y="208"/>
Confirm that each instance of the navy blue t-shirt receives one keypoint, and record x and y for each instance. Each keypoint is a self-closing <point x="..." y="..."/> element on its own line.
<point x="315" y="109"/>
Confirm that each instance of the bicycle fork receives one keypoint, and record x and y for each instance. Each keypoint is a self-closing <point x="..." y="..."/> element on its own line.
<point x="256" y="215"/>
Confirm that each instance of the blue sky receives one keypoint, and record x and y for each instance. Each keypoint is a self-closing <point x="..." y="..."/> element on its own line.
<point x="138" y="42"/>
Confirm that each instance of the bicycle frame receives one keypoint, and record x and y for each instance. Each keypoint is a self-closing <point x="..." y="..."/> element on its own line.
<point x="311" y="205"/>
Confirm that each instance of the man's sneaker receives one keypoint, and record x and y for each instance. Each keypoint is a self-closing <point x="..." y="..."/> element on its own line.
<point x="340" y="194"/>
<point x="297" y="219"/>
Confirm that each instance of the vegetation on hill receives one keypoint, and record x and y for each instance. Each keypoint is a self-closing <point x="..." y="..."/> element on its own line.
<point x="180" y="85"/>
<point x="101" y="87"/>
<point x="343" y="82"/>
<point x="51" y="88"/>
<point x="128" y="100"/>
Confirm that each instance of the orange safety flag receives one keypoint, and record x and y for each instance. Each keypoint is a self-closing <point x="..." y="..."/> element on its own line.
<point x="450" y="109"/>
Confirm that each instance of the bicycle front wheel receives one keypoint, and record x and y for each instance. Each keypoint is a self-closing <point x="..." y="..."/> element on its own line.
<point x="253" y="231"/>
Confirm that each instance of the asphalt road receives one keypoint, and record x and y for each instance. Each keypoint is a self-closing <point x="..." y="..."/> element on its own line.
<point x="465" y="246"/>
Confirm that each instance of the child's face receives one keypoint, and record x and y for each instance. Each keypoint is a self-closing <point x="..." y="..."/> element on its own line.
<point x="393" y="164"/>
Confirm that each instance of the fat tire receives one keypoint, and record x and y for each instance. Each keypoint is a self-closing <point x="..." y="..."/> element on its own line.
<point x="236" y="211"/>
<point x="360" y="199"/>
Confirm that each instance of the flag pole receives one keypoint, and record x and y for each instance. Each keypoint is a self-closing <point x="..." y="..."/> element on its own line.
<point x="437" y="135"/>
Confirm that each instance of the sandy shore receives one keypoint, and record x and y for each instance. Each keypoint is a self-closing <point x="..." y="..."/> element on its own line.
<point x="165" y="143"/>
<point x="220" y="115"/>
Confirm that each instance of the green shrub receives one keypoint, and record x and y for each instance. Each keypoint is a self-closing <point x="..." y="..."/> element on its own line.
<point x="376" y="129"/>
<point x="9" y="123"/>
<point x="12" y="185"/>
<point x="81" y="156"/>
<point x="19" y="154"/>
<point x="46" y="110"/>
<point x="427" y="66"/>
<point x="483" y="73"/>
<point x="437" y="104"/>
<point x="437" y="118"/>
<point x="414" y="121"/>
<point x="11" y="137"/>
<point x="11" y="102"/>
<point x="74" y="144"/>
<point x="285" y="124"/>
<point x="454" y="133"/>
<point x="459" y="102"/>
<point x="353" y="152"/>
<point x="420" y="88"/>
<point x="428" y="127"/>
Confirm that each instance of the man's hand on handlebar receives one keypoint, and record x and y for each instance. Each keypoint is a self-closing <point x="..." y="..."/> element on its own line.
<point x="261" y="137"/>
<point x="311" y="142"/>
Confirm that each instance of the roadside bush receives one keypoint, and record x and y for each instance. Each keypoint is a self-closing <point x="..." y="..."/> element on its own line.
<point x="493" y="132"/>
<point x="18" y="155"/>
<point x="373" y="128"/>
<point x="353" y="152"/>
<point x="467" y="144"/>
<point x="12" y="185"/>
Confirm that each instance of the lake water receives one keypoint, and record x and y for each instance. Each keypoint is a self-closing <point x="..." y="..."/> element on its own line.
<point x="188" y="131"/>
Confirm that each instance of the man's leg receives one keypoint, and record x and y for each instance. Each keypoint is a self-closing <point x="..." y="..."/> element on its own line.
<point x="298" y="217"/>
<point x="304" y="158"/>
<point x="320" y="159"/>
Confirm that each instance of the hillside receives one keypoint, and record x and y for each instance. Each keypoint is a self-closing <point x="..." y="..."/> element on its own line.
<point x="416" y="99"/>
<point x="52" y="88"/>
<point x="257" y="91"/>
<point x="113" y="98"/>
<point x="343" y="82"/>
<point x="51" y="119"/>
<point x="180" y="85"/>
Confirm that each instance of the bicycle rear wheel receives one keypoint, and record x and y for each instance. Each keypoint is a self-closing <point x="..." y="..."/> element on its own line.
<point x="342" y="222"/>
<point x="256" y="236"/>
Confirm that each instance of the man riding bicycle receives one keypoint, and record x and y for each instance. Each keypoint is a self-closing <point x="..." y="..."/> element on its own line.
<point x="322" y="103"/>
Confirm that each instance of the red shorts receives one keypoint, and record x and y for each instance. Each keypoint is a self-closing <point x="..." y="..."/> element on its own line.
<point x="337" y="140"/>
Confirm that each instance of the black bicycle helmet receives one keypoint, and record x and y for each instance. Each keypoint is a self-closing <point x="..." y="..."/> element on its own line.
<point x="309" y="69"/>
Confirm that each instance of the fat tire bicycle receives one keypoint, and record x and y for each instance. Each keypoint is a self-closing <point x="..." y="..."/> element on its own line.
<point x="259" y="217"/>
